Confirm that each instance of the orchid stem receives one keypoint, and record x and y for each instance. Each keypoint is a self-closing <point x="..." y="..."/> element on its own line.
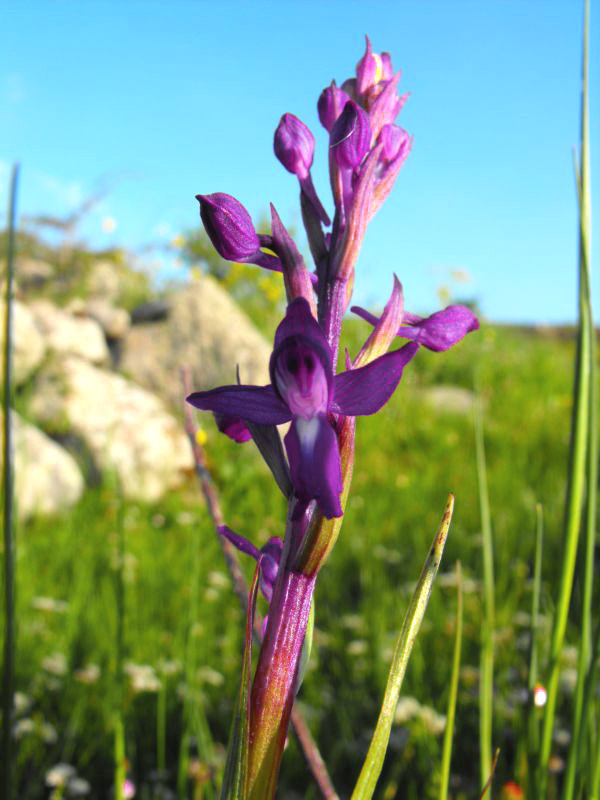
<point x="309" y="747"/>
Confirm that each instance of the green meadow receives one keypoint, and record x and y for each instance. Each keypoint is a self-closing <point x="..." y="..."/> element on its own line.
<point x="154" y="579"/>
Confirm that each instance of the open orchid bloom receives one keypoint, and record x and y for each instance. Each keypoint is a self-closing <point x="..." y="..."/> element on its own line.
<point x="305" y="391"/>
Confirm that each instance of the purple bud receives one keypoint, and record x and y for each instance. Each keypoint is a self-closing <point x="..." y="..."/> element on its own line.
<point x="368" y="70"/>
<point x="229" y="226"/>
<point x="396" y="143"/>
<point x="330" y="105"/>
<point x="294" y="145"/>
<point x="350" y="138"/>
<point x="386" y="67"/>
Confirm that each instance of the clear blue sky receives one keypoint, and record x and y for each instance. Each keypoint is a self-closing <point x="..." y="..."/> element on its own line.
<point x="161" y="101"/>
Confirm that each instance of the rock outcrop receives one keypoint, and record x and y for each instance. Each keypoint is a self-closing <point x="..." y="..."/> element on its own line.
<point x="126" y="428"/>
<point x="205" y="331"/>
<point x="47" y="478"/>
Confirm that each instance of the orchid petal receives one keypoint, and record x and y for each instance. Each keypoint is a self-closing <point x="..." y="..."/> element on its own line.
<point x="365" y="390"/>
<point x="385" y="329"/>
<point x="314" y="457"/>
<point x="442" y="330"/>
<point x="252" y="403"/>
<point x="299" y="321"/>
<point x="233" y="427"/>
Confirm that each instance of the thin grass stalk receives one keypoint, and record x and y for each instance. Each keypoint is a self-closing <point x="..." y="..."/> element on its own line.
<point x="6" y="766"/>
<point x="451" y="713"/>
<point x="119" y="720"/>
<point x="161" y="726"/>
<point x="588" y="733"/>
<point x="486" y="667"/>
<point x="371" y="770"/>
<point x="578" y="748"/>
<point x="533" y="733"/>
<point x="576" y="477"/>
<point x="595" y="782"/>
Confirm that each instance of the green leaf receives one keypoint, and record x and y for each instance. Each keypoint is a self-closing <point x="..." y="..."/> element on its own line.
<point x="367" y="780"/>
<point x="235" y="779"/>
<point x="449" y="732"/>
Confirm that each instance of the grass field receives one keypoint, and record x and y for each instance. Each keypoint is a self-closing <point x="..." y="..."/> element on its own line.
<point x="182" y="625"/>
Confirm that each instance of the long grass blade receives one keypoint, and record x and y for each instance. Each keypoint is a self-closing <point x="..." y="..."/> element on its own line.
<point x="533" y="712"/>
<point x="235" y="780"/>
<point x="486" y="667"/>
<point x="577" y="750"/>
<point x="576" y="478"/>
<point x="371" y="769"/>
<point x="451" y="713"/>
<point x="8" y="485"/>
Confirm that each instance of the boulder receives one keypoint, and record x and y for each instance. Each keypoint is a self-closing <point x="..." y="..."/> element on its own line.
<point x="29" y="343"/>
<point x="67" y="334"/>
<point x="114" y="321"/>
<point x="206" y="332"/>
<point x="47" y="478"/>
<point x="126" y="429"/>
<point x="33" y="273"/>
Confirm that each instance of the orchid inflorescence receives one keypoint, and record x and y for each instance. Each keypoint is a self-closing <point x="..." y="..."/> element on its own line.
<point x="366" y="151"/>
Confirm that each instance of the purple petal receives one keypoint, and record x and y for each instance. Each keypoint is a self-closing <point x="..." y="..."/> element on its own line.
<point x="350" y="138"/>
<point x="301" y="377"/>
<point x="301" y="362"/>
<point x="234" y="427"/>
<point x="365" y="390"/>
<point x="314" y="457"/>
<point x="299" y="321"/>
<point x="443" y="329"/>
<point x="241" y="544"/>
<point x="385" y="329"/>
<point x="368" y="69"/>
<point x="252" y="403"/>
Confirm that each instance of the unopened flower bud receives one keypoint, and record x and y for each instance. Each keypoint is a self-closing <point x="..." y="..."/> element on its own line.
<point x="330" y="105"/>
<point x="351" y="136"/>
<point x="229" y="226"/>
<point x="369" y="70"/>
<point x="294" y="145"/>
<point x="396" y="143"/>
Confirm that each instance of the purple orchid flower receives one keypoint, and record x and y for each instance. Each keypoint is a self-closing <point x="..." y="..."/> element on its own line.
<point x="305" y="391"/>
<point x="438" y="332"/>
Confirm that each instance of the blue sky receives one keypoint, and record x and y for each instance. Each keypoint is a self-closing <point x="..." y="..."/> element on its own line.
<point x="160" y="101"/>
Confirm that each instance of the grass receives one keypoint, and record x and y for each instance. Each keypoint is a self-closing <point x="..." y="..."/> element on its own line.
<point x="407" y="460"/>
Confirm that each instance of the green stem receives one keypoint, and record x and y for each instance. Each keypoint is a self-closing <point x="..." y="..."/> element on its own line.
<point x="579" y="432"/>
<point x="6" y="763"/>
<point x="486" y="679"/>
<point x="533" y="711"/>
<point x="449" y="732"/>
